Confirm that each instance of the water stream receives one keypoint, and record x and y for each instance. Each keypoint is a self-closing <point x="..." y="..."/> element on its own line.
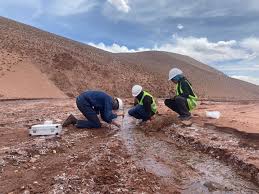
<point x="180" y="167"/>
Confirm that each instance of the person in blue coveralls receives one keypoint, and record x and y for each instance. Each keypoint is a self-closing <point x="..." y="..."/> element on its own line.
<point x="93" y="103"/>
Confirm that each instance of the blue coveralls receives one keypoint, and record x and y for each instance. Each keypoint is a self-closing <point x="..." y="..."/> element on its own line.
<point x="92" y="103"/>
<point x="139" y="112"/>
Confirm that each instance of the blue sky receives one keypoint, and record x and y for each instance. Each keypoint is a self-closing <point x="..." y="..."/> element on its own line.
<point x="223" y="34"/>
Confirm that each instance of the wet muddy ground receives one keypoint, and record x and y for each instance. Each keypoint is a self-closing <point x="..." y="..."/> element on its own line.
<point x="161" y="157"/>
<point x="180" y="166"/>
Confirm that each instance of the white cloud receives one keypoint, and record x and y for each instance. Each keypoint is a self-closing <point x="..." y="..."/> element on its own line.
<point x="143" y="11"/>
<point x="206" y="51"/>
<point x="115" y="48"/>
<point x="180" y="26"/>
<point x="251" y="43"/>
<point x="199" y="48"/>
<point x="151" y="11"/>
<point x="252" y="68"/>
<point x="250" y="79"/>
<point x="70" y="7"/>
<point x="121" y="5"/>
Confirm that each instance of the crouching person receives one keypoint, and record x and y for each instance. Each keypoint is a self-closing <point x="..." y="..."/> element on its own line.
<point x="92" y="103"/>
<point x="185" y="99"/>
<point x="145" y="105"/>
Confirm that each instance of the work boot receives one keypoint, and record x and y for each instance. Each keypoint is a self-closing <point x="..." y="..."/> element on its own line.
<point x="185" y="117"/>
<point x="70" y="120"/>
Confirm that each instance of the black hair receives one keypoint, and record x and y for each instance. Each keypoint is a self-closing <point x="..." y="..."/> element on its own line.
<point x="140" y="95"/>
<point x="115" y="104"/>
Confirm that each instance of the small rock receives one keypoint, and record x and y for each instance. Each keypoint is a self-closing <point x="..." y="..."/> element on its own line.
<point x="54" y="151"/>
<point x="2" y="162"/>
<point x="43" y="152"/>
<point x="26" y="192"/>
<point x="16" y="171"/>
<point x="33" y="160"/>
<point x="213" y="186"/>
<point x="35" y="183"/>
<point x="26" y="166"/>
<point x="257" y="177"/>
<point x="214" y="138"/>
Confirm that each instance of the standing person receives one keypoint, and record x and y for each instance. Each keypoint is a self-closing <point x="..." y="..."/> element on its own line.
<point x="145" y="105"/>
<point x="185" y="99"/>
<point x="92" y="103"/>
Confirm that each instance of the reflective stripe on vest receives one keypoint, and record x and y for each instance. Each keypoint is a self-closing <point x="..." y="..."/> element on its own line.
<point x="153" y="105"/>
<point x="191" y="100"/>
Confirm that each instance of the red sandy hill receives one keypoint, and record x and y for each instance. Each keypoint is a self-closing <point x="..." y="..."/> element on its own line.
<point x="38" y="64"/>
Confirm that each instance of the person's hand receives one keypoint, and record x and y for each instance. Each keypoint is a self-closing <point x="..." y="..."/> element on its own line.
<point x="116" y="124"/>
<point x="120" y="115"/>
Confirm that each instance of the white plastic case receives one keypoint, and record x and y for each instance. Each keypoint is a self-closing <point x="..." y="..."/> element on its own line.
<point x="46" y="129"/>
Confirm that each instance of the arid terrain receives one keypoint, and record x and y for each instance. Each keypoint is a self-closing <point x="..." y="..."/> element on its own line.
<point x="41" y="73"/>
<point x="74" y="67"/>
<point x="163" y="156"/>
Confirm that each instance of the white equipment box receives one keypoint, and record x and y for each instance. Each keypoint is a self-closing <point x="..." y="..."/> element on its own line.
<point x="48" y="128"/>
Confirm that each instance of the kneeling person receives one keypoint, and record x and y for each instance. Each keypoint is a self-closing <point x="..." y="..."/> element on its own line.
<point x="185" y="99"/>
<point x="145" y="105"/>
<point x="92" y="103"/>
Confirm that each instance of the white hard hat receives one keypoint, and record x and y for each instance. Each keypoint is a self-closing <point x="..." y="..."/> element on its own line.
<point x="120" y="103"/>
<point x="174" y="72"/>
<point x="136" y="90"/>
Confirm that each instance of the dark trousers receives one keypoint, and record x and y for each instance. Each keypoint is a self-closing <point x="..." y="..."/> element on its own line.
<point x="90" y="114"/>
<point x="139" y="112"/>
<point x="179" y="105"/>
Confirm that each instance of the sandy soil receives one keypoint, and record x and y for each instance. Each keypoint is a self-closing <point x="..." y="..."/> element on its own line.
<point x="19" y="78"/>
<point x="163" y="156"/>
<point x="78" y="161"/>
<point x="242" y="116"/>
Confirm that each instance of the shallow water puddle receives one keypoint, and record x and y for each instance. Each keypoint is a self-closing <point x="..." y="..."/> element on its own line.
<point x="178" y="167"/>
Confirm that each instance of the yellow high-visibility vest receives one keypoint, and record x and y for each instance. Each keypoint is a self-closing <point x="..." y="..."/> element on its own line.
<point x="191" y="100"/>
<point x="153" y="105"/>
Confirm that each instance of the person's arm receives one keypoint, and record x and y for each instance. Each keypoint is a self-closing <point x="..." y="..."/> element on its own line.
<point x="116" y="124"/>
<point x="135" y="101"/>
<point x="107" y="114"/>
<point x="147" y="101"/>
<point x="186" y="89"/>
<point x="96" y="110"/>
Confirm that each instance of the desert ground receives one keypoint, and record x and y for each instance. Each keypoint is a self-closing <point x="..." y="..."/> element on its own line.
<point x="164" y="156"/>
<point x="40" y="75"/>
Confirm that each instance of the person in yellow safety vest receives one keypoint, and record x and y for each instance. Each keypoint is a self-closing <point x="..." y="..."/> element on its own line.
<point x="185" y="99"/>
<point x="145" y="104"/>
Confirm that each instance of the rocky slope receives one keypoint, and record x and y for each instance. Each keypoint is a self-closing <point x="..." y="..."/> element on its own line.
<point x="73" y="67"/>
